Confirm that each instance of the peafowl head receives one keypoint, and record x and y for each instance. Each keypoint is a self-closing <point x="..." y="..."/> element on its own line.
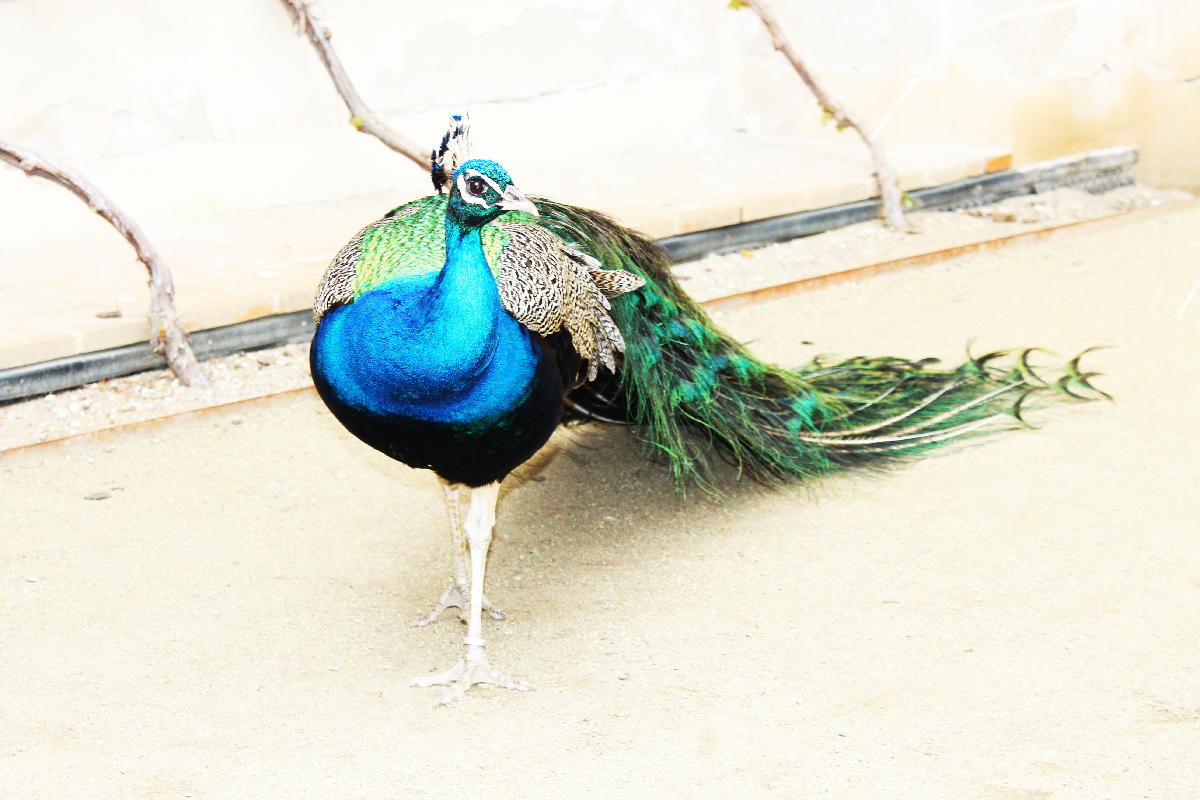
<point x="483" y="191"/>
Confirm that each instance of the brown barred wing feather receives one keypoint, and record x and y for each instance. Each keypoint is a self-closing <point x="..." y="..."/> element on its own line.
<point x="612" y="282"/>
<point x="337" y="285"/>
<point x="548" y="286"/>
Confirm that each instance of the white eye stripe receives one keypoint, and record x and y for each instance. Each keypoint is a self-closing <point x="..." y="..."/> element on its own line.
<point x="476" y="174"/>
<point x="470" y="198"/>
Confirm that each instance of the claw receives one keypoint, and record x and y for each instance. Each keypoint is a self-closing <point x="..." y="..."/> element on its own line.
<point x="465" y="674"/>
<point x="453" y="597"/>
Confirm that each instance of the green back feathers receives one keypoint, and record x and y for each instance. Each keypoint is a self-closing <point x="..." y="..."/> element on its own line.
<point x="411" y="241"/>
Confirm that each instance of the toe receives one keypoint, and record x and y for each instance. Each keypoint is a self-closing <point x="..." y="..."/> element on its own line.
<point x="447" y="678"/>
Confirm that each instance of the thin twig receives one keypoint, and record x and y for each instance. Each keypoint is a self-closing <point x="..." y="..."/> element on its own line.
<point x="889" y="190"/>
<point x="168" y="335"/>
<point x="307" y="16"/>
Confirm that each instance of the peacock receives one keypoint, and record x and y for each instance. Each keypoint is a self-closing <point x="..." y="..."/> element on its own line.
<point x="461" y="329"/>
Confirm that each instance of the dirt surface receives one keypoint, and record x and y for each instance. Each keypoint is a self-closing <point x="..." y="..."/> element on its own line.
<point x="150" y="395"/>
<point x="1017" y="620"/>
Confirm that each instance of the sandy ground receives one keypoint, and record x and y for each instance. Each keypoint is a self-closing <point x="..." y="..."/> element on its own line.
<point x="1012" y="620"/>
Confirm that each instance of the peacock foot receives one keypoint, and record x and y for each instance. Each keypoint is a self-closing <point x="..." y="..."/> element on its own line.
<point x="453" y="597"/>
<point x="465" y="674"/>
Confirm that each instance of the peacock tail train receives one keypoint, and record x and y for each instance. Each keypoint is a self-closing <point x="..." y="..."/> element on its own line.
<point x="691" y="390"/>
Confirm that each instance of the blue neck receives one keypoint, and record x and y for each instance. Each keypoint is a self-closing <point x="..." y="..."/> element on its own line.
<point x="466" y="276"/>
<point x="438" y="347"/>
<point x="459" y="314"/>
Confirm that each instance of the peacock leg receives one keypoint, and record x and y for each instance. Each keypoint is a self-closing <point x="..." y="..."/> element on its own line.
<point x="459" y="591"/>
<point x="474" y="667"/>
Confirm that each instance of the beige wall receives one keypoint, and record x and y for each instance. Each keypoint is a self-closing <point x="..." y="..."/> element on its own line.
<point x="184" y="109"/>
<point x="1042" y="78"/>
<point x="1136" y="81"/>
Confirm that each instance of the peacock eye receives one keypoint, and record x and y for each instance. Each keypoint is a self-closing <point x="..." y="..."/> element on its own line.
<point x="476" y="186"/>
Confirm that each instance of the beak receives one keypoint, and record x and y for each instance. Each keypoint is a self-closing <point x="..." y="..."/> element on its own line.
<point x="513" y="200"/>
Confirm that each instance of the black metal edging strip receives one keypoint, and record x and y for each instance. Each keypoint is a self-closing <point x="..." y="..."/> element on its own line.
<point x="73" y="371"/>
<point x="1096" y="171"/>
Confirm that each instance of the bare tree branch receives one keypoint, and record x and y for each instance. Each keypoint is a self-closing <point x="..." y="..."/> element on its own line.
<point x="889" y="190"/>
<point x="168" y="334"/>
<point x="307" y="17"/>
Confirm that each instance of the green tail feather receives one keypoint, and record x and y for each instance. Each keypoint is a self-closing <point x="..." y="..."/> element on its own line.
<point x="692" y="390"/>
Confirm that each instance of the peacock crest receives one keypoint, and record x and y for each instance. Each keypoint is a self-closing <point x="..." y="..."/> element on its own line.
<point x="451" y="154"/>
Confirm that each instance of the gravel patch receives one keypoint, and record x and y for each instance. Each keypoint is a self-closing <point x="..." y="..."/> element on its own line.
<point x="153" y="394"/>
<point x="870" y="243"/>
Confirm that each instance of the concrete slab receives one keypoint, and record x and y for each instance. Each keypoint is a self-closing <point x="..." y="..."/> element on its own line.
<point x="1013" y="620"/>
